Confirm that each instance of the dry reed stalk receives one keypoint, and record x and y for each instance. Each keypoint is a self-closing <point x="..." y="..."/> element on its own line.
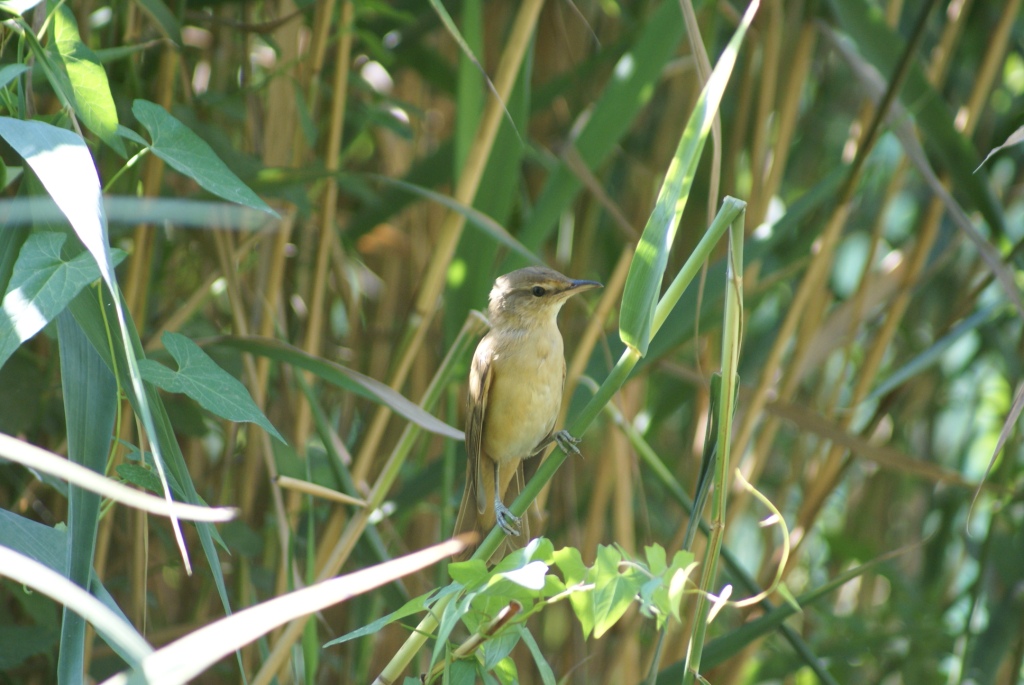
<point x="788" y="113"/>
<point x="771" y="33"/>
<point x="431" y="286"/>
<point x="815" y="280"/>
<point x="837" y="458"/>
<point x="816" y="274"/>
<point x="942" y="53"/>
<point x="225" y="249"/>
<point x="279" y="149"/>
<point x="139" y="565"/>
<point x="328" y="213"/>
<point x="189" y="309"/>
<point x="703" y="62"/>
<point x="136" y="287"/>
<point x="834" y="464"/>
<point x="741" y="122"/>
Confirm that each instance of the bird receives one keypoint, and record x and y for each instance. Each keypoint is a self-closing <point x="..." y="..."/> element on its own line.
<point x="516" y="381"/>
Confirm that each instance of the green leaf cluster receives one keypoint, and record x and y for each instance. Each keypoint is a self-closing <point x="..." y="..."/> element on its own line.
<point x="524" y="584"/>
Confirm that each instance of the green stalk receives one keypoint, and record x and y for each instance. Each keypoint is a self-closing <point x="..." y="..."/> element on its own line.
<point x="730" y="360"/>
<point x="731" y="208"/>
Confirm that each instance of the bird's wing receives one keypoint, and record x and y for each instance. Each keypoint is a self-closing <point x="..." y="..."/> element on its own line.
<point x="532" y="464"/>
<point x="480" y="376"/>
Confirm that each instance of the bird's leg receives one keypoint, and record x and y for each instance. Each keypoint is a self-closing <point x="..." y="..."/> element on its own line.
<point x="566" y="442"/>
<point x="508" y="521"/>
<point x="563" y="439"/>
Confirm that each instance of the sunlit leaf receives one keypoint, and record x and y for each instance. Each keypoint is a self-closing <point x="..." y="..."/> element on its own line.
<point x="615" y="589"/>
<point x="93" y="101"/>
<point x="530" y="576"/>
<point x="42" y="284"/>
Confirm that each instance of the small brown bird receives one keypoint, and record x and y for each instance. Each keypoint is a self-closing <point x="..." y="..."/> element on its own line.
<point x="515" y="393"/>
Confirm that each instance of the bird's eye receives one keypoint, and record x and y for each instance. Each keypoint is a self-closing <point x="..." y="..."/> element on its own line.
<point x="538" y="291"/>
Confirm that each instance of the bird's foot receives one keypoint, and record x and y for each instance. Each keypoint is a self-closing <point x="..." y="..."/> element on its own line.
<point x="566" y="442"/>
<point x="508" y="521"/>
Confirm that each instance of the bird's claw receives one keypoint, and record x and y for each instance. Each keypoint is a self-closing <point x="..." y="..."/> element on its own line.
<point x="507" y="521"/>
<point x="566" y="442"/>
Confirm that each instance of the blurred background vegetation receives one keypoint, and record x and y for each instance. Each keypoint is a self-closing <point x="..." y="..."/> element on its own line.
<point x="881" y="341"/>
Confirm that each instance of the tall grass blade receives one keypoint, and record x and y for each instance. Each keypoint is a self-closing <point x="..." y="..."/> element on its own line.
<point x="648" y="268"/>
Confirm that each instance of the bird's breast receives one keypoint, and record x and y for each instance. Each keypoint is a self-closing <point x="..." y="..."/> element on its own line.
<point x="525" y="395"/>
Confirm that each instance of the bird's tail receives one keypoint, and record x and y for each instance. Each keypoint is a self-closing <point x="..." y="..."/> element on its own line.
<point x="469" y="519"/>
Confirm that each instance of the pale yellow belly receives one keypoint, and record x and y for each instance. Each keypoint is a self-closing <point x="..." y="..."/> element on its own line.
<point x="523" y="402"/>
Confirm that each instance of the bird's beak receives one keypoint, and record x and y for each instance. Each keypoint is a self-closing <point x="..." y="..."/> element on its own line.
<point x="580" y="286"/>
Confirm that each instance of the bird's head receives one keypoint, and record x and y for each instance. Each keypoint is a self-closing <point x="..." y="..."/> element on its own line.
<point x="534" y="293"/>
